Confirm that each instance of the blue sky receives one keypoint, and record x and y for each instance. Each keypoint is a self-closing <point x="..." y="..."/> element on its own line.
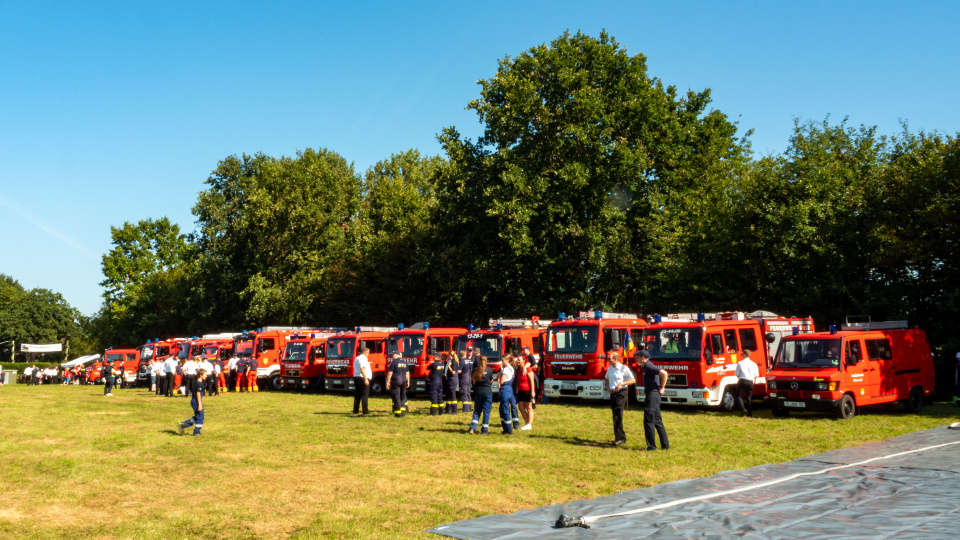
<point x="118" y="111"/>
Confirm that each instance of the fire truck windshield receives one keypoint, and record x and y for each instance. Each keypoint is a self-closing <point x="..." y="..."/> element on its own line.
<point x="163" y="351"/>
<point x="296" y="352"/>
<point x="183" y="351"/>
<point x="489" y="345"/>
<point x="406" y="345"/>
<point x="673" y="344"/>
<point x="210" y="352"/>
<point x="245" y="348"/>
<point x="146" y="352"/>
<point x="573" y="339"/>
<point x="340" y="348"/>
<point x="808" y="353"/>
<point x="115" y="357"/>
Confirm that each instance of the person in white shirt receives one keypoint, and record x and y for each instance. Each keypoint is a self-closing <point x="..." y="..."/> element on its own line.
<point x="361" y="381"/>
<point x="618" y="379"/>
<point x="154" y="371"/>
<point x="190" y="371"/>
<point x="508" y="400"/>
<point x="169" y="370"/>
<point x="28" y="374"/>
<point x="747" y="373"/>
<point x="232" y="372"/>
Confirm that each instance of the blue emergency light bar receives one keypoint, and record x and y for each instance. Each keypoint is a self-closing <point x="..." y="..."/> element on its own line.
<point x="470" y="328"/>
<point x="833" y="329"/>
<point x="796" y="330"/>
<point x="562" y="316"/>
<point x="701" y="317"/>
<point x="598" y="314"/>
<point x="657" y="319"/>
<point x="426" y="326"/>
<point x="358" y="329"/>
<point x="259" y="330"/>
<point x="499" y="326"/>
<point x="400" y="326"/>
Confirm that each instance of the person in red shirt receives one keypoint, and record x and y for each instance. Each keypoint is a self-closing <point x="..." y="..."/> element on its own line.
<point x="526" y="390"/>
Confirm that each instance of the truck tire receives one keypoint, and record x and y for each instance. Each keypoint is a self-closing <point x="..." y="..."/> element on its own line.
<point x="914" y="401"/>
<point x="274" y="383"/>
<point x="727" y="402"/>
<point x="377" y="386"/>
<point x="847" y="408"/>
<point x="780" y="412"/>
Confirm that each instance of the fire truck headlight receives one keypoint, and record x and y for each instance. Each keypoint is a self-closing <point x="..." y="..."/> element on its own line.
<point x="772" y="385"/>
<point x="698" y="394"/>
<point x="821" y="386"/>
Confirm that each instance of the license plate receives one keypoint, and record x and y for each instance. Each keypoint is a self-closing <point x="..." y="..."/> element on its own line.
<point x="670" y="392"/>
<point x="799" y="404"/>
<point x="568" y="386"/>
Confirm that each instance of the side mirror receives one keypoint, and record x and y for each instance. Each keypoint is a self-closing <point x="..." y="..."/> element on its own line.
<point x="770" y="337"/>
<point x="708" y="356"/>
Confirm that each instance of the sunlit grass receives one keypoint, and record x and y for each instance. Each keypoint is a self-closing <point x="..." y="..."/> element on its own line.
<point x="77" y="464"/>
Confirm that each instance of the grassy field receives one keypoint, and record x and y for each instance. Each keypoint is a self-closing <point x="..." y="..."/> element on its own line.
<point x="78" y="464"/>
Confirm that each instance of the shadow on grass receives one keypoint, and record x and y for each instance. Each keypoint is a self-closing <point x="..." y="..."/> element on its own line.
<point x="170" y="432"/>
<point x="575" y="441"/>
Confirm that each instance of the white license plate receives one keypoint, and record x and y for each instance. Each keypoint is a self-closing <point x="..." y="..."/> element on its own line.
<point x="568" y="386"/>
<point x="799" y="404"/>
<point x="670" y="392"/>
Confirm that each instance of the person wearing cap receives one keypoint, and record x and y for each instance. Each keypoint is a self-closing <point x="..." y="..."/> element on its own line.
<point x="398" y="381"/>
<point x="196" y="402"/>
<point x="618" y="379"/>
<point x="466" y="374"/>
<point x="654" y="384"/>
<point x="747" y="373"/>
<point x="361" y="381"/>
<point x="435" y="373"/>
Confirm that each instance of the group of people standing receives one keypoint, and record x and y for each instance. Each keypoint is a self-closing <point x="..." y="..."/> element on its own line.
<point x="33" y="375"/>
<point x="457" y="383"/>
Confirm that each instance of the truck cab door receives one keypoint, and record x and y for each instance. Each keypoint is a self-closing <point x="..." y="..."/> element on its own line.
<point x="862" y="375"/>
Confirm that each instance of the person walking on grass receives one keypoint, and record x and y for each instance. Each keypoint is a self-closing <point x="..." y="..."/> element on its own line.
<point x="398" y="382"/>
<point x="654" y="384"/>
<point x="482" y="391"/>
<point x="619" y="377"/>
<point x="196" y="401"/>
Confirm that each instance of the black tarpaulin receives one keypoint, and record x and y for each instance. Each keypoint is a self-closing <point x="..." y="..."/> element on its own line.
<point x="910" y="489"/>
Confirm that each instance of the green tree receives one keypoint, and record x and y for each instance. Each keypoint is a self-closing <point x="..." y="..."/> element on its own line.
<point x="36" y="316"/>
<point x="269" y="232"/>
<point x="561" y="202"/>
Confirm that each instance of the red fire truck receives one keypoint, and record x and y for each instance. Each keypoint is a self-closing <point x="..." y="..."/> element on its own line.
<point x="700" y="351"/>
<point x="304" y="361"/>
<point x="129" y="359"/>
<point x="155" y="349"/>
<point x="504" y="336"/>
<point x="864" y="364"/>
<point x="418" y="342"/>
<point x="577" y="348"/>
<point x="343" y="348"/>
<point x="270" y="341"/>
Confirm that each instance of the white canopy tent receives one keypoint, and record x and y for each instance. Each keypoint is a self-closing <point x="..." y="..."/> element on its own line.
<point x="80" y="361"/>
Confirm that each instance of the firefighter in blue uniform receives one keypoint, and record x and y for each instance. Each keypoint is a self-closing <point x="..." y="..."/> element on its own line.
<point x="398" y="380"/>
<point x="451" y="376"/>
<point x="241" y="377"/>
<point x="466" y="374"/>
<point x="435" y="373"/>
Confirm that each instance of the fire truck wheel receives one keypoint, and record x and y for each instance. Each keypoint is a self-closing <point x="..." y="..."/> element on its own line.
<point x="275" y="382"/>
<point x="728" y="402"/>
<point x="914" y="401"/>
<point x="376" y="387"/>
<point x="847" y="408"/>
<point x="780" y="412"/>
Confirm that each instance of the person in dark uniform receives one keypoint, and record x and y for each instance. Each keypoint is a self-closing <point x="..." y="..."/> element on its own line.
<point x="654" y="384"/>
<point x="241" y="375"/>
<point x="451" y="378"/>
<point x="107" y="373"/>
<point x="398" y="380"/>
<point x="252" y="366"/>
<point x="466" y="374"/>
<point x="196" y="401"/>
<point x="482" y="378"/>
<point x="435" y="374"/>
